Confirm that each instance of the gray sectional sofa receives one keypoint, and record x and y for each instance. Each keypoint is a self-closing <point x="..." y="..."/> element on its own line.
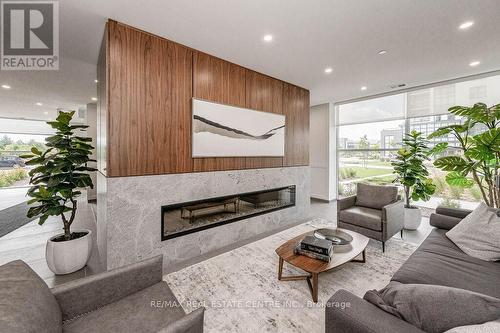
<point x="437" y="261"/>
<point x="129" y="299"/>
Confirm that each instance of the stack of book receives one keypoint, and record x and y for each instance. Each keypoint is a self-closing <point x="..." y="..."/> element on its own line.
<point x="316" y="248"/>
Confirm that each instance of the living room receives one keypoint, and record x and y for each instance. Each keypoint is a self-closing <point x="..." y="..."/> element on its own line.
<point x="248" y="166"/>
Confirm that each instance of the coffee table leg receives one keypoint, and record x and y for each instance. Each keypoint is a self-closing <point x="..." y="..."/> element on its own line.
<point x="280" y="268"/>
<point x="313" y="286"/>
<point x="360" y="260"/>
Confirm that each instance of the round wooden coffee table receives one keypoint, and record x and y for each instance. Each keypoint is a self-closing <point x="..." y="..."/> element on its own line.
<point x="314" y="266"/>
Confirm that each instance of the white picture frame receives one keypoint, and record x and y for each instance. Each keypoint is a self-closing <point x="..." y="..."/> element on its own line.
<point x="220" y="130"/>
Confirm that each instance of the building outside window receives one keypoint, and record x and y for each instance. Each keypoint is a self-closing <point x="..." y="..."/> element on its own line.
<point x="371" y="131"/>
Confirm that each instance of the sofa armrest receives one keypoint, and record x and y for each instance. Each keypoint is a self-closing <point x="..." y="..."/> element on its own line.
<point x="346" y="202"/>
<point x="393" y="215"/>
<point x="87" y="294"/>
<point x="443" y="221"/>
<point x="453" y="212"/>
<point x="190" y="323"/>
<point x="347" y="313"/>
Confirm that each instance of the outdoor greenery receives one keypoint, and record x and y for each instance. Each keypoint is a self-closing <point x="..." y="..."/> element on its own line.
<point x="59" y="172"/>
<point x="9" y="177"/>
<point x="481" y="152"/>
<point x="347" y="173"/>
<point x="361" y="172"/>
<point x="410" y="169"/>
<point x="450" y="203"/>
<point x="8" y="145"/>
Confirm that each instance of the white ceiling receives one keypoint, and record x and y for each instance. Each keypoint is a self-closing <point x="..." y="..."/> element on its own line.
<point x="422" y="38"/>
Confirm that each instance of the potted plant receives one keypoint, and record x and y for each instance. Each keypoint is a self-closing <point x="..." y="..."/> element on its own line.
<point x="479" y="146"/>
<point x="412" y="173"/>
<point x="57" y="175"/>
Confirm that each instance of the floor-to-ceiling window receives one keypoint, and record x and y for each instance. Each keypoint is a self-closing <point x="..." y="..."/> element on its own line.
<point x="17" y="136"/>
<point x="369" y="132"/>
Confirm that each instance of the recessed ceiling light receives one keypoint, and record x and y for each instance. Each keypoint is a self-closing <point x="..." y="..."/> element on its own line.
<point x="5" y="86"/>
<point x="466" y="25"/>
<point x="364" y="88"/>
<point x="38" y="103"/>
<point x="268" y="38"/>
<point x="328" y="70"/>
<point x="381" y="52"/>
<point x="45" y="112"/>
<point x="96" y="81"/>
<point x="94" y="99"/>
<point x="474" y="63"/>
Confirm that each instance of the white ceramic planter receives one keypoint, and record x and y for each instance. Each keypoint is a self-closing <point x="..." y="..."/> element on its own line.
<point x="68" y="256"/>
<point x="413" y="218"/>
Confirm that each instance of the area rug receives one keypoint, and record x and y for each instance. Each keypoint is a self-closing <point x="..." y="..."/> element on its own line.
<point x="241" y="292"/>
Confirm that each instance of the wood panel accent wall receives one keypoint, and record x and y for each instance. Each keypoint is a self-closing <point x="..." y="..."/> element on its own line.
<point x="296" y="104"/>
<point x="150" y="104"/>
<point x="218" y="81"/>
<point x="151" y="82"/>
<point x="264" y="93"/>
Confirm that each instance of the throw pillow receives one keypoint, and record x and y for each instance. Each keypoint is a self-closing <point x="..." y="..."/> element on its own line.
<point x="478" y="234"/>
<point x="489" y="327"/>
<point x="375" y="196"/>
<point x="433" y="308"/>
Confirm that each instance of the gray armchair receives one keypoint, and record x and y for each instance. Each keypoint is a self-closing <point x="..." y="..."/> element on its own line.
<point x="129" y="299"/>
<point x="375" y="211"/>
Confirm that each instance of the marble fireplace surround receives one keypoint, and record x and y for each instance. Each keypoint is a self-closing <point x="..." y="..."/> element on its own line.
<point x="129" y="212"/>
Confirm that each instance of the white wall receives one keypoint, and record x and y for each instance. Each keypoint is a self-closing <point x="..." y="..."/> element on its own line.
<point x="322" y="152"/>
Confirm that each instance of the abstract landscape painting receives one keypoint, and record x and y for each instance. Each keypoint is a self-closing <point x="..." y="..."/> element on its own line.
<point x="226" y="131"/>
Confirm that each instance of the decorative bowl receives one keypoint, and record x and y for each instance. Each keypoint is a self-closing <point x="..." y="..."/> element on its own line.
<point x="340" y="239"/>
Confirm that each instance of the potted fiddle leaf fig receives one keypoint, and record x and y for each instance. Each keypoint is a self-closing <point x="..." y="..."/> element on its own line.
<point x="411" y="172"/>
<point x="56" y="179"/>
<point x="478" y="139"/>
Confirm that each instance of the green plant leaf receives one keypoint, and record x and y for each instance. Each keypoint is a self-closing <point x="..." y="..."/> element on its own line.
<point x="489" y="139"/>
<point x="480" y="152"/>
<point x="35" y="151"/>
<point x="439" y="148"/>
<point x="458" y="179"/>
<point x="65" y="117"/>
<point x="42" y="220"/>
<point x="452" y="163"/>
<point x="440" y="132"/>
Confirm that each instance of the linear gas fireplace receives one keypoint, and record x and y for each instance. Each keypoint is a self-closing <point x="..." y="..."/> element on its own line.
<point x="188" y="217"/>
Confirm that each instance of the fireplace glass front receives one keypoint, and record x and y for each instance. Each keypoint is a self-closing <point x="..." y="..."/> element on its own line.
<point x="188" y="217"/>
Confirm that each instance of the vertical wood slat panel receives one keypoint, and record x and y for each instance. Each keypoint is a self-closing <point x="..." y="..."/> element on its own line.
<point x="149" y="104"/>
<point x="151" y="83"/>
<point x="263" y="93"/>
<point x="218" y="81"/>
<point x="296" y="109"/>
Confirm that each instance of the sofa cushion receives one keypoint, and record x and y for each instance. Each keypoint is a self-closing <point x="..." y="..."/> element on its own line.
<point x="434" y="308"/>
<point x="26" y="303"/>
<point x="375" y="196"/>
<point x="438" y="261"/>
<point x="478" y="234"/>
<point x="363" y="217"/>
<point x="148" y="310"/>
